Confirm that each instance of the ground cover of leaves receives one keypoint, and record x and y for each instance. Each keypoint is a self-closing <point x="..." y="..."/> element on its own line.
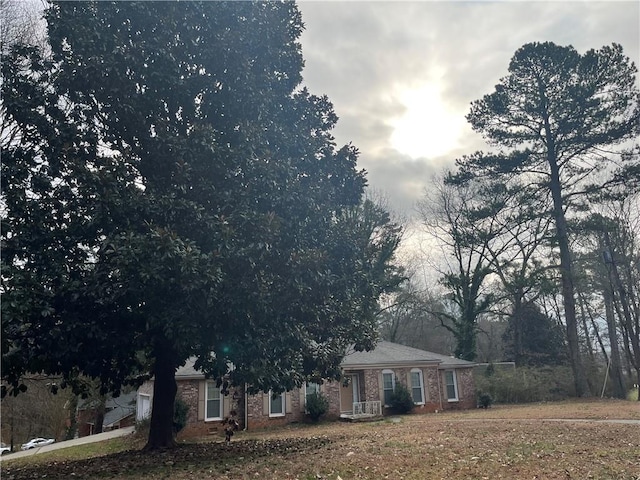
<point x="517" y="442"/>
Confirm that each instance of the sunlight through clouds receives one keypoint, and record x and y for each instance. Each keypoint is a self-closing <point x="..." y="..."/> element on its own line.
<point x="428" y="128"/>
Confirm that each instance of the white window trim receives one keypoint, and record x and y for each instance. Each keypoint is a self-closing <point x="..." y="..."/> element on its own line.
<point x="421" y="377"/>
<point x="284" y="407"/>
<point x="307" y="393"/>
<point x="306" y="388"/>
<point x="393" y="383"/>
<point x="206" y="402"/>
<point x="455" y="385"/>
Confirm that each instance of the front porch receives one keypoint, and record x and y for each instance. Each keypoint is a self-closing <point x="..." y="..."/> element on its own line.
<point x="363" y="411"/>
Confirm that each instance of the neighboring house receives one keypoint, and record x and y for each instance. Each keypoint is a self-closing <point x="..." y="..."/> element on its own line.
<point x="119" y="412"/>
<point x="436" y="382"/>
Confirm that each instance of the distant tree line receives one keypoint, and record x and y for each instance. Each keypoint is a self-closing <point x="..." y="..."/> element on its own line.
<point x="541" y="235"/>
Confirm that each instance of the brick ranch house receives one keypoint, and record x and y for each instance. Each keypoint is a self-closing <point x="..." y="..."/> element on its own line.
<point x="436" y="382"/>
<point x="119" y="412"/>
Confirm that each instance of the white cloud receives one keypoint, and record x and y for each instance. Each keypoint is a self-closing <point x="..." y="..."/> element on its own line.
<point x="378" y="61"/>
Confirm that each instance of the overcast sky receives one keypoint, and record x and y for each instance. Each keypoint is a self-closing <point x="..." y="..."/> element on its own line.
<point x="401" y="75"/>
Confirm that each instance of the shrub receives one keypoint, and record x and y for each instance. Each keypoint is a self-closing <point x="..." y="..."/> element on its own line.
<point x="142" y="428"/>
<point x="180" y="414"/>
<point x="317" y="405"/>
<point x="484" y="400"/>
<point x="401" y="400"/>
<point x="527" y="384"/>
<point x="490" y="370"/>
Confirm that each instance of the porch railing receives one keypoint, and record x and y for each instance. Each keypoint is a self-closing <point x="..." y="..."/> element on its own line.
<point x="367" y="408"/>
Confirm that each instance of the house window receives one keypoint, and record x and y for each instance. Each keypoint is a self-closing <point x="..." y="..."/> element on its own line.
<point x="276" y="404"/>
<point x="310" y="388"/>
<point x="388" y="385"/>
<point x="417" y="386"/>
<point x="452" y="385"/>
<point x="213" y="401"/>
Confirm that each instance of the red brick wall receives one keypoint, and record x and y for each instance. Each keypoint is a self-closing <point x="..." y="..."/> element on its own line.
<point x="332" y="391"/>
<point x="188" y="390"/>
<point x="84" y="418"/>
<point x="435" y="398"/>
<point x="466" y="390"/>
<point x="258" y="418"/>
<point x="434" y="388"/>
<point x="371" y="386"/>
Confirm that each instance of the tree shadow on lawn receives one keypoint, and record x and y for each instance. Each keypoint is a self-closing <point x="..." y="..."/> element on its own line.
<point x="185" y="458"/>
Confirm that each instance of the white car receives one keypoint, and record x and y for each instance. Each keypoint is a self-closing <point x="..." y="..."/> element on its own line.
<point x="4" y="449"/>
<point x="37" y="442"/>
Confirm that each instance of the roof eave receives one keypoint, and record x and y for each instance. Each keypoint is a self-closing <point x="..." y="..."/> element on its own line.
<point x="449" y="366"/>
<point x="191" y="377"/>
<point x="404" y="363"/>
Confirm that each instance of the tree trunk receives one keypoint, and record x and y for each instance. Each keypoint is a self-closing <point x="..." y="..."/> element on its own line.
<point x="516" y="320"/>
<point x="566" y="270"/>
<point x="632" y="324"/>
<point x="99" y="418"/>
<point x="619" y="390"/>
<point x="72" y="429"/>
<point x="161" y="432"/>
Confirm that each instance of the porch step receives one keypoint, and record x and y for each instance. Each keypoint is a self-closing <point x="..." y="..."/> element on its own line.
<point x="345" y="417"/>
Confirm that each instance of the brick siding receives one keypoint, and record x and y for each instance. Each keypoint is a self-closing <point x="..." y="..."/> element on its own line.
<point x="369" y="380"/>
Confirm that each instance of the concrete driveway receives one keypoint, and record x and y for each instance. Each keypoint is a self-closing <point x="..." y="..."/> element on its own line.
<point x="99" y="437"/>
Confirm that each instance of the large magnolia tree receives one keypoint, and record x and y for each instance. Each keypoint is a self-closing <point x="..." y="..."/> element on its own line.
<point x="169" y="190"/>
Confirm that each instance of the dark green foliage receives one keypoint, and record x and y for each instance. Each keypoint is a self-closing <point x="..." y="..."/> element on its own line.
<point x="401" y="401"/>
<point x="484" y="400"/>
<point x="527" y="384"/>
<point x="171" y="192"/>
<point x="465" y="288"/>
<point x="180" y="414"/>
<point x="316" y="406"/>
<point x="542" y="338"/>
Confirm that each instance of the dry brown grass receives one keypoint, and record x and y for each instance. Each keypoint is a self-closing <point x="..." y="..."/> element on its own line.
<point x="499" y="443"/>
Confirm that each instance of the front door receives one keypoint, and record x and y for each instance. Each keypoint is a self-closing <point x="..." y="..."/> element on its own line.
<point x="349" y="394"/>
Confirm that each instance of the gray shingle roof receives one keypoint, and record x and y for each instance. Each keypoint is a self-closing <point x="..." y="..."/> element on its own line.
<point x="187" y="371"/>
<point x="388" y="353"/>
<point x="384" y="354"/>
<point x="120" y="408"/>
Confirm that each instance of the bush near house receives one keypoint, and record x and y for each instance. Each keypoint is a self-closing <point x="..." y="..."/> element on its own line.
<point x="317" y="405"/>
<point x="484" y="400"/>
<point x="401" y="400"/>
<point x="180" y="414"/>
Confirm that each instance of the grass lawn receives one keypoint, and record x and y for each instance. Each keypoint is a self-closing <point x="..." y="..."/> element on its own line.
<point x="508" y="442"/>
